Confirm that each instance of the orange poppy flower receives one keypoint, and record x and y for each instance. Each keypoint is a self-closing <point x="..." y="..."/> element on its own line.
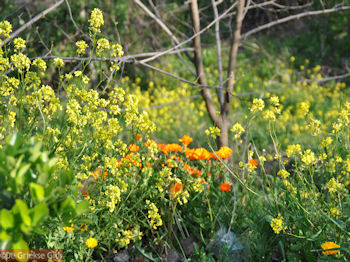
<point x="186" y="140"/>
<point x="330" y="245"/>
<point x="190" y="153"/>
<point x="138" y="136"/>
<point x="85" y="193"/>
<point x="174" y="148"/>
<point x="201" y="154"/>
<point x="97" y="173"/>
<point x="253" y="162"/>
<point x="223" y="153"/>
<point x="225" y="187"/>
<point x="174" y="190"/>
<point x="163" y="148"/>
<point x="134" y="148"/>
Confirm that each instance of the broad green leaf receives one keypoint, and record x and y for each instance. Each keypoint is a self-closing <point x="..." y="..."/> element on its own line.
<point x="20" y="176"/>
<point x="24" y="212"/>
<point x="4" y="236"/>
<point x="67" y="209"/>
<point x="82" y="207"/>
<point x="6" y="219"/>
<point x="39" y="213"/>
<point x="36" y="152"/>
<point x="37" y="192"/>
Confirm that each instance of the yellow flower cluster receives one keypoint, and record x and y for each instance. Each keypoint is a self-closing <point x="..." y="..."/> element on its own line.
<point x="96" y="20"/>
<point x="153" y="215"/>
<point x="113" y="193"/>
<point x="58" y="62"/>
<point x="19" y="44"/>
<point x="102" y="45"/>
<point x="21" y="61"/>
<point x="237" y="129"/>
<point x="277" y="224"/>
<point x="334" y="186"/>
<point x="82" y="45"/>
<point x="308" y="157"/>
<point x="258" y="105"/>
<point x="213" y="131"/>
<point x="283" y="173"/>
<point x="40" y="64"/>
<point x="293" y="150"/>
<point x="5" y="28"/>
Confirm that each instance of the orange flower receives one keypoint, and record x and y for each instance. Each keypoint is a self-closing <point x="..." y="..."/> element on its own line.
<point x="329" y="245"/>
<point x="85" y="193"/>
<point x="190" y="153"/>
<point x="105" y="174"/>
<point x="134" y="148"/>
<point x="225" y="187"/>
<point x="163" y="148"/>
<point x="186" y="140"/>
<point x="138" y="136"/>
<point x="148" y="164"/>
<point x="166" y="148"/>
<point x="174" y="190"/>
<point x="174" y="148"/>
<point x="196" y="172"/>
<point x="97" y="173"/>
<point x="201" y="154"/>
<point x="223" y="153"/>
<point x="253" y="162"/>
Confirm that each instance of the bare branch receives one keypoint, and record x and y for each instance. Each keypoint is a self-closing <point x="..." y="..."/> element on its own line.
<point x="233" y="56"/>
<point x="199" y="64"/>
<point x="159" y="22"/>
<point x="218" y="45"/>
<point x="292" y="85"/>
<point x="73" y="21"/>
<point x="31" y="22"/>
<point x="170" y="103"/>
<point x="192" y="37"/>
<point x="293" y="17"/>
<point x="177" y="77"/>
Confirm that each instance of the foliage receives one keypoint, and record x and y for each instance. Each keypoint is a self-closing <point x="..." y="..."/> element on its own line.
<point x="32" y="189"/>
<point x="283" y="189"/>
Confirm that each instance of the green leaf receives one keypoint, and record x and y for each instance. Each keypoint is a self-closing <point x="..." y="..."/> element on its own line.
<point x="39" y="213"/>
<point x="6" y="219"/>
<point x="20" y="244"/>
<point x="36" y="152"/>
<point x="145" y="254"/>
<point x="82" y="207"/>
<point x="4" y="236"/>
<point x="67" y="209"/>
<point x="66" y="178"/>
<point x="37" y="192"/>
<point x="24" y="212"/>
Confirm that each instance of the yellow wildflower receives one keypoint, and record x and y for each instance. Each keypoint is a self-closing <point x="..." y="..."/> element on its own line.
<point x="96" y="20"/>
<point x="277" y="224"/>
<point x="19" y="44"/>
<point x="82" y="45"/>
<point x="91" y="242"/>
<point x="329" y="245"/>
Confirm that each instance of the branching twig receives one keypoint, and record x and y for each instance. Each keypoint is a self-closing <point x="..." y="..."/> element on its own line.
<point x="192" y="37"/>
<point x="292" y="17"/>
<point x="32" y="21"/>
